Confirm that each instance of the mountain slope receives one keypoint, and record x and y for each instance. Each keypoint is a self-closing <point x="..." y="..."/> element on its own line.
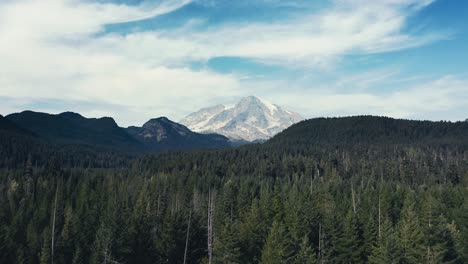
<point x="16" y="143"/>
<point x="8" y="126"/>
<point x="250" y="119"/>
<point x="372" y="130"/>
<point x="163" y="134"/>
<point x="72" y="128"/>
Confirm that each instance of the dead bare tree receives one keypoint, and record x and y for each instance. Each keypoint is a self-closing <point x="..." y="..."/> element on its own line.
<point x="379" y="218"/>
<point x="353" y="198"/>
<point x="320" y="242"/>
<point x="211" y="208"/>
<point x="53" y="225"/>
<point x="187" y="239"/>
<point x="320" y="253"/>
<point x="108" y="258"/>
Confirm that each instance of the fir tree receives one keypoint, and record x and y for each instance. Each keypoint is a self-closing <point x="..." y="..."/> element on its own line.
<point x="277" y="249"/>
<point x="306" y="254"/>
<point x="410" y="236"/>
<point x="227" y="247"/>
<point x="349" y="244"/>
<point x="385" y="248"/>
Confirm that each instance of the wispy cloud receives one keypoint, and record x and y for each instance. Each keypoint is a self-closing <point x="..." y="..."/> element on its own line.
<point x="63" y="52"/>
<point x="347" y="27"/>
<point x="438" y="99"/>
<point x="55" y="54"/>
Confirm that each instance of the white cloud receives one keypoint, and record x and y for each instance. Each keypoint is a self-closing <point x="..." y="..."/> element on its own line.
<point x="57" y="49"/>
<point x="54" y="55"/>
<point x="349" y="27"/>
<point x="439" y="99"/>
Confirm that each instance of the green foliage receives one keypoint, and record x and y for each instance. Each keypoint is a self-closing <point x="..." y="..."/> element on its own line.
<point x="350" y="244"/>
<point x="410" y="236"/>
<point x="277" y="249"/>
<point x="227" y="248"/>
<point x="291" y="200"/>
<point x="385" y="249"/>
<point x="305" y="254"/>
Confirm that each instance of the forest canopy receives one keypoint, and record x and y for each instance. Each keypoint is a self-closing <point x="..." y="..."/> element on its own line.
<point x="340" y="190"/>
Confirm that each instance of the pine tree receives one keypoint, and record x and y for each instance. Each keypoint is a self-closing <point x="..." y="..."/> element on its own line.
<point x="330" y="236"/>
<point x="66" y="234"/>
<point x="102" y="250"/>
<point x="227" y="246"/>
<point x="252" y="231"/>
<point x="349" y="244"/>
<point x="410" y="235"/>
<point x="463" y="240"/>
<point x="306" y="254"/>
<point x="77" y="257"/>
<point x="433" y="229"/>
<point x="45" y="251"/>
<point x="446" y="246"/>
<point x="277" y="249"/>
<point x="369" y="236"/>
<point x="385" y="249"/>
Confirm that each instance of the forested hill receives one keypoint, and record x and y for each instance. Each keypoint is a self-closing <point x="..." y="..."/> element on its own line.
<point x="79" y="141"/>
<point x="373" y="130"/>
<point x="6" y="126"/>
<point x="72" y="128"/>
<point x="403" y="149"/>
<point x="341" y="190"/>
<point x="90" y="142"/>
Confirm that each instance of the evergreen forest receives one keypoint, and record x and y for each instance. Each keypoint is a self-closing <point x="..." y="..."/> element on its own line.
<point x="331" y="190"/>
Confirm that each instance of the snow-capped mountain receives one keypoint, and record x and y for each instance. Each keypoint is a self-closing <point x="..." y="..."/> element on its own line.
<point x="250" y="119"/>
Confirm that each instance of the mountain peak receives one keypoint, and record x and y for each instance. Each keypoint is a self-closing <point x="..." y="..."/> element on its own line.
<point x="256" y="101"/>
<point x="69" y="114"/>
<point x="159" y="128"/>
<point x="164" y="121"/>
<point x="250" y="99"/>
<point x="162" y="133"/>
<point x="158" y="120"/>
<point x="253" y="100"/>
<point x="251" y="119"/>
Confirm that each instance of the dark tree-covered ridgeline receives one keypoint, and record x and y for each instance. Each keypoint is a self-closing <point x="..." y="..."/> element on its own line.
<point x="290" y="200"/>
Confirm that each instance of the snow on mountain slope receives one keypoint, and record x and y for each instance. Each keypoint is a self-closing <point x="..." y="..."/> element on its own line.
<point x="250" y="119"/>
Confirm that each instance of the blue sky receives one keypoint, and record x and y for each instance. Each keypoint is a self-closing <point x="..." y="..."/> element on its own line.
<point x="136" y="60"/>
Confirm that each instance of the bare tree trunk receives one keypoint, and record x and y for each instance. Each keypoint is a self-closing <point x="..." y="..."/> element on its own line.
<point x="53" y="224"/>
<point x="210" y="225"/>
<point x="187" y="239"/>
<point x="321" y="245"/>
<point x="354" y="199"/>
<point x="379" y="218"/>
<point x="311" y="182"/>
<point x="108" y="259"/>
<point x="159" y="202"/>
<point x="320" y="242"/>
